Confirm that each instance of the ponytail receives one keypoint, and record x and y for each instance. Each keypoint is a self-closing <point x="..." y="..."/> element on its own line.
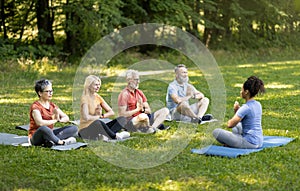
<point x="254" y="85"/>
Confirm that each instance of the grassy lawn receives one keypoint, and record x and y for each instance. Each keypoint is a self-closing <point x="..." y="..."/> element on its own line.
<point x="37" y="168"/>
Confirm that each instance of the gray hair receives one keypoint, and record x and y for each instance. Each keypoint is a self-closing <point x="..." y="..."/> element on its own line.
<point x="131" y="73"/>
<point x="179" y="66"/>
<point x="40" y="85"/>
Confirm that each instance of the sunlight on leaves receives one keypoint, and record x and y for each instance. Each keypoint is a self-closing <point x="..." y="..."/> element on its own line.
<point x="42" y="66"/>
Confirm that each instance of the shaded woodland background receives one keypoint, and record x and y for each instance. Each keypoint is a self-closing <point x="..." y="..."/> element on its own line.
<point x="68" y="28"/>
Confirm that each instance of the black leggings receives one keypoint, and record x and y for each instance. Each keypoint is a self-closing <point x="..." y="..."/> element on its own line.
<point x="99" y="127"/>
<point x="44" y="134"/>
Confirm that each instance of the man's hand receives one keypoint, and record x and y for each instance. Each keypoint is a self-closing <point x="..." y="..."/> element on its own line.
<point x="198" y="95"/>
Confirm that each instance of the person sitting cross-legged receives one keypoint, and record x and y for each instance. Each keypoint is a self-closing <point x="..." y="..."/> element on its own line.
<point x="94" y="110"/>
<point x="179" y="92"/>
<point x="43" y="115"/>
<point x="133" y="102"/>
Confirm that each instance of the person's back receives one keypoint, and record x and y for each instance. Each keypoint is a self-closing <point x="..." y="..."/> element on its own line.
<point x="251" y="114"/>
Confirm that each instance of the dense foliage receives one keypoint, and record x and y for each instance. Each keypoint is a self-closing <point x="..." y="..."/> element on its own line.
<point x="55" y="28"/>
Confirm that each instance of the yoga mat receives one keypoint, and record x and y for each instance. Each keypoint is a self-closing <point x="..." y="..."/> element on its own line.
<point x="16" y="140"/>
<point x="75" y="122"/>
<point x="26" y="127"/>
<point x="215" y="150"/>
<point x="105" y="120"/>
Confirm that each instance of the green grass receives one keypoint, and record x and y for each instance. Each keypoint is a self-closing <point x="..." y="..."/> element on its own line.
<point x="37" y="168"/>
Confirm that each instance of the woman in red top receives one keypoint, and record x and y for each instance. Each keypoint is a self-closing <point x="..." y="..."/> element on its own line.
<point x="43" y="115"/>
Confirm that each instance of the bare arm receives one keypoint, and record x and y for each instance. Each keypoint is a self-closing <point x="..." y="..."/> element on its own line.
<point x="139" y="107"/>
<point x="85" y="113"/>
<point x="36" y="114"/>
<point x="123" y="112"/>
<point x="198" y="95"/>
<point x="233" y="121"/>
<point x="108" y="109"/>
<point x="147" y="108"/>
<point x="178" y="99"/>
<point x="61" y="116"/>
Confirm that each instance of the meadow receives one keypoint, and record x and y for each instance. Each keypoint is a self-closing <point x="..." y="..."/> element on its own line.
<point x="172" y="166"/>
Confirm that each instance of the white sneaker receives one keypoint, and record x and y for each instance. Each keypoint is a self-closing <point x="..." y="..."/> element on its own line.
<point x="122" y="135"/>
<point x="103" y="138"/>
<point x="151" y="130"/>
<point x="70" y="140"/>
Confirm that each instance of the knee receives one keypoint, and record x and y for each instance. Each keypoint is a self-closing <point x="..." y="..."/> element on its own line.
<point x="205" y="101"/>
<point x="74" y="128"/>
<point x="216" y="132"/>
<point x="122" y="120"/>
<point x="44" y="129"/>
<point x="165" y="111"/>
<point x="183" y="105"/>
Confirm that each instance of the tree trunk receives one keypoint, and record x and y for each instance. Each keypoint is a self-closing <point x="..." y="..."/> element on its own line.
<point x="2" y="7"/>
<point x="24" y="22"/>
<point x="44" y="23"/>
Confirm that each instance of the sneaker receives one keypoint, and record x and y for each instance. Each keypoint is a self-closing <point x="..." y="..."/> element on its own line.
<point x="70" y="140"/>
<point x="122" y="135"/>
<point x="48" y="144"/>
<point x="207" y="117"/>
<point x="147" y="130"/>
<point x="103" y="138"/>
<point x="196" y="120"/>
<point x="169" y="117"/>
<point x="151" y="130"/>
<point x="163" y="127"/>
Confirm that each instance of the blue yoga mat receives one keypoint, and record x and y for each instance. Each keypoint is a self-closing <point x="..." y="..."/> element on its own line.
<point x="269" y="141"/>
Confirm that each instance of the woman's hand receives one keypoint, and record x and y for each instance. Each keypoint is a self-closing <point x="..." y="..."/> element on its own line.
<point x="98" y="110"/>
<point x="56" y="115"/>
<point x="236" y="106"/>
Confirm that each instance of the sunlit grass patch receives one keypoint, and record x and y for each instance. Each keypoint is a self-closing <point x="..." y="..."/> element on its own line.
<point x="85" y="169"/>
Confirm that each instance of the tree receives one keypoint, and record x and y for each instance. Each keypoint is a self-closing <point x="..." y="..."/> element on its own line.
<point x="3" y="16"/>
<point x="45" y="20"/>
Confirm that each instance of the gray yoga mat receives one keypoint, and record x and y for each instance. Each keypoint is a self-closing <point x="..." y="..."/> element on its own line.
<point x="16" y="140"/>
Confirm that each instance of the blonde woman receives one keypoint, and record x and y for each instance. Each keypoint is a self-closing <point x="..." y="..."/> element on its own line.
<point x="93" y="109"/>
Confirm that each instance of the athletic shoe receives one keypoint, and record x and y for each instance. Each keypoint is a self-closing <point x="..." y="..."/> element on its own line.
<point x="122" y="135"/>
<point x="163" y="127"/>
<point x="207" y="117"/>
<point x="147" y="130"/>
<point x="70" y="140"/>
<point x="48" y="144"/>
<point x="103" y="138"/>
<point x="151" y="130"/>
<point x="196" y="120"/>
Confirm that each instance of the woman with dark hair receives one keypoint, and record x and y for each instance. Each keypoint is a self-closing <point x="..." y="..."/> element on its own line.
<point x="246" y="123"/>
<point x="43" y="115"/>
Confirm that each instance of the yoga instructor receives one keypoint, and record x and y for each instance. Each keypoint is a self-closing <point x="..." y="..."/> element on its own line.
<point x="246" y="126"/>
